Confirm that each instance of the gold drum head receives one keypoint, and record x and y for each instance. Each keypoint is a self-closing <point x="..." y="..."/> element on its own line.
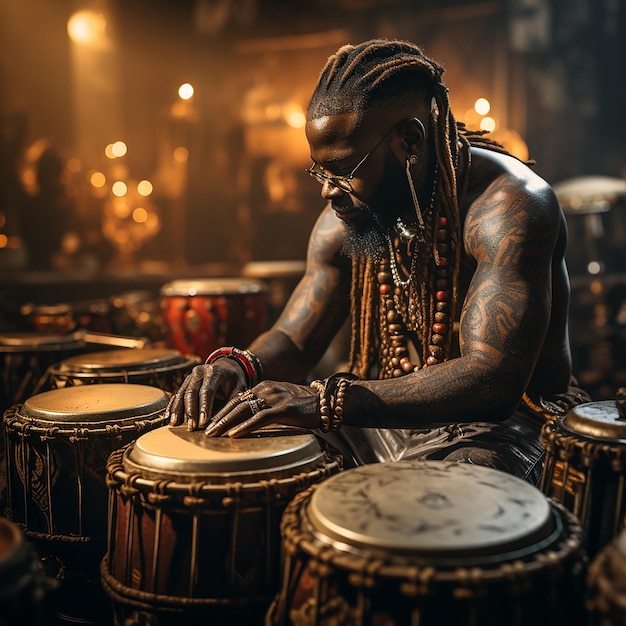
<point x="187" y="456"/>
<point x="94" y="404"/>
<point x="128" y="359"/>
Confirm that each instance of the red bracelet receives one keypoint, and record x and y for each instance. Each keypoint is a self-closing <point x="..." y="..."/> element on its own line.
<point x="250" y="363"/>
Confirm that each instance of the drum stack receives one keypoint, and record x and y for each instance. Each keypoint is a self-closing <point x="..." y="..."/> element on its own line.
<point x="595" y="208"/>
<point x="585" y="471"/>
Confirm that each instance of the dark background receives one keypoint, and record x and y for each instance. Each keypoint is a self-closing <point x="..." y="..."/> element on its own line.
<point x="552" y="70"/>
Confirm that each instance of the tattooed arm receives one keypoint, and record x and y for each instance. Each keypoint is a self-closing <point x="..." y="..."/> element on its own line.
<point x="315" y="311"/>
<point x="288" y="351"/>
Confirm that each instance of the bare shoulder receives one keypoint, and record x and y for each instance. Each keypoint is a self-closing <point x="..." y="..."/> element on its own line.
<point x="506" y="198"/>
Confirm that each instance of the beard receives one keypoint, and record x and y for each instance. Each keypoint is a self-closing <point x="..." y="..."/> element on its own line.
<point x="366" y="236"/>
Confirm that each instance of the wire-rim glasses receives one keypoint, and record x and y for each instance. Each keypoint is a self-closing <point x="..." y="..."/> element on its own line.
<point x="344" y="182"/>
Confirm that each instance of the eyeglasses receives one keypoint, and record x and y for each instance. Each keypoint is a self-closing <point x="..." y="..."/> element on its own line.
<point x="344" y="182"/>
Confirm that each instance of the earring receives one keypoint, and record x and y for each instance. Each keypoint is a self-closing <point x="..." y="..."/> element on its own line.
<point x="412" y="160"/>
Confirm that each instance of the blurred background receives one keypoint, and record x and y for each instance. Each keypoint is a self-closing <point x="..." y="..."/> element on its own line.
<point x="150" y="141"/>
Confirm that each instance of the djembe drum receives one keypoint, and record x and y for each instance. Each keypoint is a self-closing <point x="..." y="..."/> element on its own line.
<point x="194" y="522"/>
<point x="204" y="314"/>
<point x="24" y="589"/>
<point x="58" y="443"/>
<point x="26" y="357"/>
<point x="585" y="468"/>
<point x="155" y="367"/>
<point x="428" y="543"/>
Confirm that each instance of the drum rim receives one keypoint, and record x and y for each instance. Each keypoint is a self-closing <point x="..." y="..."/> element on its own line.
<point x="330" y="514"/>
<point x="309" y="454"/>
<point x="579" y="421"/>
<point x="227" y="286"/>
<point x="172" y="360"/>
<point x="118" y="475"/>
<point x="33" y="416"/>
<point x="298" y="534"/>
<point x="19" y="342"/>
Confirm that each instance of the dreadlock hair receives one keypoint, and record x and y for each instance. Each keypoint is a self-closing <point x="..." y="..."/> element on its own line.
<point x="365" y="77"/>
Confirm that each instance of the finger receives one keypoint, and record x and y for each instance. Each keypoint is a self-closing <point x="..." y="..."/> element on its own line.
<point x="174" y="409"/>
<point x="207" y="394"/>
<point x="190" y="398"/>
<point x="248" y="426"/>
<point x="228" y="416"/>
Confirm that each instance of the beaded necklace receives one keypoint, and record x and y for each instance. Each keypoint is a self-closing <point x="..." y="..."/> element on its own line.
<point x="400" y="300"/>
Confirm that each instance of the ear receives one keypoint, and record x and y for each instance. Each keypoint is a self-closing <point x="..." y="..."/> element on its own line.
<point x="413" y="133"/>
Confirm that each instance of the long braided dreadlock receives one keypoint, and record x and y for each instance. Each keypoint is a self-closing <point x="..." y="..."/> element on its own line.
<point x="359" y="79"/>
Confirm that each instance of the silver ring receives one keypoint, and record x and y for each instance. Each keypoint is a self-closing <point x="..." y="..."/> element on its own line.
<point x="256" y="404"/>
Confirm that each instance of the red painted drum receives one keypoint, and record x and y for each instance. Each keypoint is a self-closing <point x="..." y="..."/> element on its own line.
<point x="204" y="314"/>
<point x="428" y="543"/>
<point x="585" y="468"/>
<point x="157" y="367"/>
<point x="58" y="443"/>
<point x="194" y="522"/>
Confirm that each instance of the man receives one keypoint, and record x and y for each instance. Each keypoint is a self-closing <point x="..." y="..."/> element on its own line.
<point x="447" y="253"/>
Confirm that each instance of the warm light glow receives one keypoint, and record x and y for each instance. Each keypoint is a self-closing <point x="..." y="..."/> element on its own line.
<point x="73" y="165"/>
<point x="87" y="28"/>
<point x="185" y="91"/>
<point x="140" y="215"/>
<point x="488" y="124"/>
<point x="121" y="209"/>
<point x="144" y="188"/>
<point x="119" y="149"/>
<point x="273" y="112"/>
<point x="482" y="106"/>
<point x="98" y="179"/>
<point x="119" y="188"/>
<point x="3" y="219"/>
<point x="296" y="119"/>
<point x="181" y="154"/>
<point x="4" y="240"/>
<point x="108" y="151"/>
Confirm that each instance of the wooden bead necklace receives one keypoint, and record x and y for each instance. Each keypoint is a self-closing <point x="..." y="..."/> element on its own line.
<point x="399" y="306"/>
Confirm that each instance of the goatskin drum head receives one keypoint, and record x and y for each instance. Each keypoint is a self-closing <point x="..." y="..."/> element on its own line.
<point x="89" y="404"/>
<point x="174" y="451"/>
<point x="432" y="508"/>
<point x="600" y="420"/>
<point x="127" y="359"/>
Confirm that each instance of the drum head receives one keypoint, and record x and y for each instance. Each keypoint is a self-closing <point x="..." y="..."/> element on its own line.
<point x="600" y="420"/>
<point x="175" y="452"/>
<point x="430" y="508"/>
<point x="127" y="359"/>
<point x="213" y="287"/>
<point x="37" y="342"/>
<point x="89" y="404"/>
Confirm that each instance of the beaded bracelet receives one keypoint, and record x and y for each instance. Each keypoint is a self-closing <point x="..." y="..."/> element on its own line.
<point x="249" y="363"/>
<point x="332" y="393"/>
